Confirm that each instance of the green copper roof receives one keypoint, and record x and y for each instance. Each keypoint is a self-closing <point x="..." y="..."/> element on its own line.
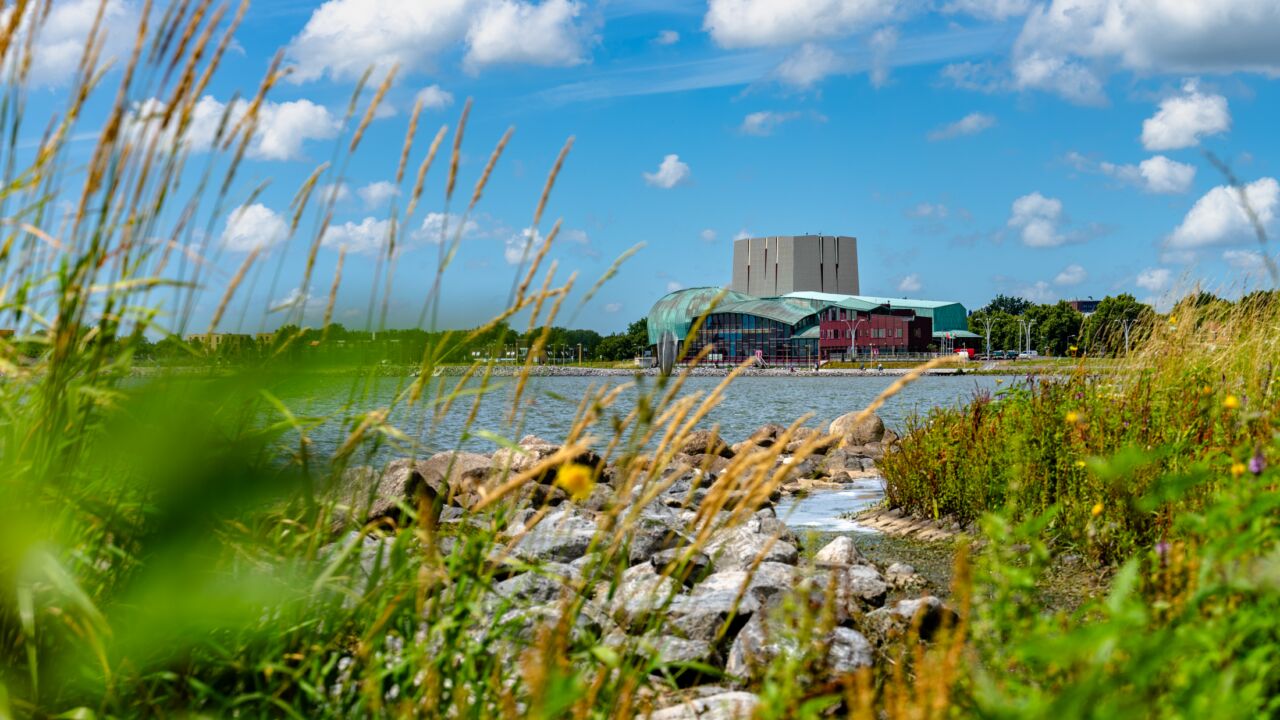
<point x="780" y="309"/>
<point x="676" y="311"/>
<point x="946" y="315"/>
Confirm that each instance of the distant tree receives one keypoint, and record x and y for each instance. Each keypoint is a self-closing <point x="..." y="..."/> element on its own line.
<point x="1009" y="304"/>
<point x="1005" y="332"/>
<point x="1056" y="327"/>
<point x="1104" y="329"/>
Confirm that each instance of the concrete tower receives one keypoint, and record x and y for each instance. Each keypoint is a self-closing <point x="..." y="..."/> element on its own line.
<point x="772" y="266"/>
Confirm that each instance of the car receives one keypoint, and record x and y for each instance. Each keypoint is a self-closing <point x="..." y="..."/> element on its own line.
<point x="1028" y="355"/>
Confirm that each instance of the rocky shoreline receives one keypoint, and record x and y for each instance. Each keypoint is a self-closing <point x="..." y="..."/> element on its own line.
<point x="690" y="568"/>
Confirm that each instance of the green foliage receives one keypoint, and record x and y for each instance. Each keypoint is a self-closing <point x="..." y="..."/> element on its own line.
<point x="1104" y="330"/>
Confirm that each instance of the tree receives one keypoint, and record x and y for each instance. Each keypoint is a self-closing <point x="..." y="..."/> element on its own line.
<point x="1056" y="329"/>
<point x="1005" y="333"/>
<point x="1008" y="304"/>
<point x="1104" y="330"/>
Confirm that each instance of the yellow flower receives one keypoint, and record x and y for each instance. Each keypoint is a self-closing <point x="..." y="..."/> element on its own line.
<point x="1237" y="469"/>
<point x="1080" y="464"/>
<point x="1097" y="510"/>
<point x="1231" y="402"/>
<point x="1206" y="390"/>
<point x="1072" y="417"/>
<point x="999" y="381"/>
<point x="577" y="480"/>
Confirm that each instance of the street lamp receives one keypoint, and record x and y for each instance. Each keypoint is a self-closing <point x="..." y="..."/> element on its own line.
<point x="853" y="337"/>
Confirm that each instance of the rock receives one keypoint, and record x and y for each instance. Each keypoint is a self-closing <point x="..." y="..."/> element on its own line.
<point x="869" y="430"/>
<point x="714" y="464"/>
<point x="562" y="536"/>
<point x="839" y="552"/>
<point x="843" y="460"/>
<point x="513" y="461"/>
<point x="650" y="535"/>
<point x="706" y="442"/>
<point x="526" y="622"/>
<point x="903" y="577"/>
<point x="761" y="642"/>
<point x="691" y="570"/>
<point x="737" y="548"/>
<point x="669" y="650"/>
<point x="367" y="494"/>
<point x="767" y="435"/>
<point x="722" y="706"/>
<point x="702" y="613"/>
<point x="894" y="623"/>
<point x="457" y="470"/>
<point x="857" y="588"/>
<point x="640" y="593"/>
<point x="545" y="585"/>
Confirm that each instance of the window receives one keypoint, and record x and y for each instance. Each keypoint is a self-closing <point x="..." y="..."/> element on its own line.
<point x="897" y="332"/>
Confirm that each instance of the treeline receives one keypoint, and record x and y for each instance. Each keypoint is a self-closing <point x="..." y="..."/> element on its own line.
<point x="1119" y="320"/>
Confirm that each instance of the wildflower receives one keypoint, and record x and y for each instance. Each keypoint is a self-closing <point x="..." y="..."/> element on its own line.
<point x="1257" y="463"/>
<point x="999" y="381"/>
<point x="1237" y="469"/>
<point x="1206" y="390"/>
<point x="577" y="480"/>
<point x="1097" y="510"/>
<point x="1080" y="464"/>
<point x="1072" y="417"/>
<point x="1231" y="402"/>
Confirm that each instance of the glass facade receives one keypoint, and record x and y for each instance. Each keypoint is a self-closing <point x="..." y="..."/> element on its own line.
<point x="735" y="337"/>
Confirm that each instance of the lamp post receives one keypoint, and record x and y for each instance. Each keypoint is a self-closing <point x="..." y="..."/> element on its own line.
<point x="853" y="337"/>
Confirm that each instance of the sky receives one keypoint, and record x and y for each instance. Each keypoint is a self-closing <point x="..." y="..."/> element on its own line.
<point x="1044" y="149"/>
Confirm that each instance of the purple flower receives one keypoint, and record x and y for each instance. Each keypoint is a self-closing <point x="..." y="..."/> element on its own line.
<point x="1257" y="463"/>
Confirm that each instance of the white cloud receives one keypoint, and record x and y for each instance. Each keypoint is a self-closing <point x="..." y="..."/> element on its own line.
<point x="1153" y="279"/>
<point x="281" y="128"/>
<point x="1218" y="217"/>
<point x="1156" y="174"/>
<point x="1183" y="119"/>
<point x="63" y="35"/>
<point x="434" y="97"/>
<point x="988" y="9"/>
<point x="333" y="192"/>
<point x="1057" y="74"/>
<point x="1080" y="38"/>
<point x="1037" y="217"/>
<point x="929" y="210"/>
<point x="437" y="226"/>
<point x="882" y="42"/>
<point x="756" y="23"/>
<point x="250" y="227"/>
<point x="344" y="37"/>
<point x="612" y="308"/>
<point x="1071" y="275"/>
<point x="765" y="122"/>
<point x="368" y="236"/>
<point x="673" y="286"/>
<point x="294" y="298"/>
<point x="667" y="37"/>
<point x="1247" y="261"/>
<point x="1037" y="292"/>
<point x="970" y="124"/>
<point x="742" y="235"/>
<point x="806" y="66"/>
<point x="377" y="194"/>
<point x="671" y="172"/>
<point x="910" y="283"/>
<point x="521" y="246"/>
<point x="708" y="235"/>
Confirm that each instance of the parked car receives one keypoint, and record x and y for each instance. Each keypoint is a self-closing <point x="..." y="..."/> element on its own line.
<point x="1028" y="355"/>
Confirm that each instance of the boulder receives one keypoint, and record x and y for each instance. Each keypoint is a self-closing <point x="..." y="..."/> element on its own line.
<point x="714" y="464"/>
<point x="852" y="434"/>
<point x="544" y="585"/>
<point x="526" y="622"/>
<point x="456" y="469"/>
<point x="526" y="455"/>
<point x="767" y="435"/>
<point x="762" y="642"/>
<point x="737" y="548"/>
<point x="903" y="577"/>
<point x="721" y="706"/>
<point x="365" y="494"/>
<point x="640" y="593"/>
<point x="668" y="650"/>
<point x="562" y="536"/>
<point x="927" y="614"/>
<point x="651" y="534"/>
<point x="689" y="571"/>
<point x="857" y="589"/>
<point x="706" y="442"/>
<point x="839" y="552"/>
<point x="730" y="596"/>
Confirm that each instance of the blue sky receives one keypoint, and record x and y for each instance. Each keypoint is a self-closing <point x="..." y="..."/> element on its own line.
<point x="1044" y="149"/>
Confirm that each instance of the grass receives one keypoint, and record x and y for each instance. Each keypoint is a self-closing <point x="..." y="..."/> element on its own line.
<point x="173" y="545"/>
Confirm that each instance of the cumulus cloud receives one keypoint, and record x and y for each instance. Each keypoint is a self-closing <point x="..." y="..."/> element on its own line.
<point x="281" y="128"/>
<point x="708" y="235"/>
<point x="910" y="283"/>
<point x="1219" y="218"/>
<point x="434" y="97"/>
<point x="1065" y="43"/>
<point x="333" y="192"/>
<point x="671" y="172"/>
<point x="1037" y="218"/>
<point x="613" y="307"/>
<point x="808" y="65"/>
<point x="377" y="194"/>
<point x="62" y="36"/>
<point x="673" y="286"/>
<point x="367" y="237"/>
<point x="521" y="245"/>
<point x="344" y="37"/>
<point x="742" y="235"/>
<point x="1156" y="174"/>
<point x="757" y="23"/>
<point x="1247" y="261"/>
<point x="1071" y="275"/>
<point x="1153" y="279"/>
<point x="765" y="122"/>
<point x="294" y="298"/>
<point x="250" y="227"/>
<point x="970" y="124"/>
<point x="667" y="37"/>
<point x="1183" y="119"/>
<point x="437" y="226"/>
<point x="882" y="43"/>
